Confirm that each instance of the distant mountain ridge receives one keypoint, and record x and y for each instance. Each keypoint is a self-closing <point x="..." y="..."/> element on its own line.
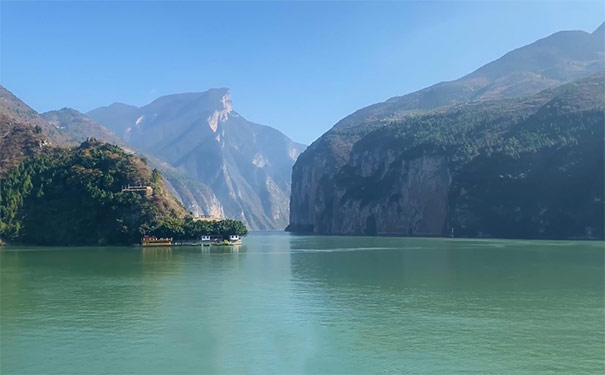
<point x="323" y="172"/>
<point x="246" y="165"/>
<point x="562" y="57"/>
<point x="79" y="127"/>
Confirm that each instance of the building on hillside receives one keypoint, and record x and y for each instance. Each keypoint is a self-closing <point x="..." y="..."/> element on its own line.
<point x="146" y="189"/>
<point x="207" y="218"/>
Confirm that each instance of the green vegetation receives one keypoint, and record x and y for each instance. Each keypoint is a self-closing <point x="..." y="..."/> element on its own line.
<point x="18" y="141"/>
<point x="188" y="228"/>
<point x="521" y="168"/>
<point x="73" y="196"/>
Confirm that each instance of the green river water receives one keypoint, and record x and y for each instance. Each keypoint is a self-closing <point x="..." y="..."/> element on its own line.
<point x="306" y="304"/>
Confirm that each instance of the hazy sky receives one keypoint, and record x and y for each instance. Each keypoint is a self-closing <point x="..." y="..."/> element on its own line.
<point x="297" y="66"/>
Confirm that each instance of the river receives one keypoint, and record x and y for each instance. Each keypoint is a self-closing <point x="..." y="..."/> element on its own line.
<point x="306" y="304"/>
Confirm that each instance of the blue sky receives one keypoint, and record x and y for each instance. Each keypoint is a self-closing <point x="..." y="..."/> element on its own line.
<point x="297" y="66"/>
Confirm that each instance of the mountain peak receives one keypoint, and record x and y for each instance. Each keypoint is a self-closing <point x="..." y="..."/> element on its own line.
<point x="121" y="105"/>
<point x="64" y="112"/>
<point x="220" y="90"/>
<point x="247" y="166"/>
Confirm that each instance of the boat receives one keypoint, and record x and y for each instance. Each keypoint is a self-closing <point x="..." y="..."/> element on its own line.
<point x="148" y="241"/>
<point x="223" y="243"/>
<point x="206" y="240"/>
<point x="233" y="240"/>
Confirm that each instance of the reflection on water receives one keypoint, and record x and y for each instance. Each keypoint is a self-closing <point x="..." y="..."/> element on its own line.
<point x="305" y="304"/>
<point x="156" y="253"/>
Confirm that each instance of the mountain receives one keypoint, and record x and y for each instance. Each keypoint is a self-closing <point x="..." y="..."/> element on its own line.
<point x="73" y="196"/>
<point x="23" y="132"/>
<point x="56" y="192"/>
<point x="549" y="62"/>
<point x="246" y="165"/>
<point x="79" y="127"/>
<point x="18" y="141"/>
<point x="117" y="117"/>
<point x="195" y="196"/>
<point x="509" y="168"/>
<point x="333" y="181"/>
<point x="14" y="110"/>
<point x="76" y="196"/>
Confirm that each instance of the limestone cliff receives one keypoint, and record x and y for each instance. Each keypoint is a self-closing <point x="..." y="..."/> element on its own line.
<point x="388" y="168"/>
<point x="530" y="168"/>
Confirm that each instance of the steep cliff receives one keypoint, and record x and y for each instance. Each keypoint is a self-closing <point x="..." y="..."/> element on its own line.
<point x="332" y="179"/>
<point x="525" y="168"/>
<point x="246" y="165"/>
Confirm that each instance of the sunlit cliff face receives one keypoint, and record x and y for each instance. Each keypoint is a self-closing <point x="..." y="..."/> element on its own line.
<point x="221" y="115"/>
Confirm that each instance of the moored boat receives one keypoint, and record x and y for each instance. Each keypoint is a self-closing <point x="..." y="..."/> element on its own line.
<point x="235" y="239"/>
<point x="148" y="241"/>
<point x="232" y="240"/>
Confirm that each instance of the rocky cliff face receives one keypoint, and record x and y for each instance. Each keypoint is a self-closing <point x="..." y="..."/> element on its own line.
<point x="530" y="168"/>
<point x="355" y="179"/>
<point x="412" y="198"/>
<point x="247" y="166"/>
<point x="377" y="193"/>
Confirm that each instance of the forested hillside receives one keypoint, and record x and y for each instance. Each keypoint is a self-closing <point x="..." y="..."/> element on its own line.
<point x="74" y="196"/>
<point x="523" y="168"/>
<point x="421" y="141"/>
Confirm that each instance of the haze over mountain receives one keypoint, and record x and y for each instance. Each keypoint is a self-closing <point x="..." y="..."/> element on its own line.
<point x="246" y="165"/>
<point x="326" y="174"/>
<point x="79" y="127"/>
<point x="194" y="195"/>
<point x="57" y="190"/>
<point x="559" y="58"/>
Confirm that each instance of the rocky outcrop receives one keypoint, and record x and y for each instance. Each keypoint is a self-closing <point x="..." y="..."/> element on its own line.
<point x="411" y="196"/>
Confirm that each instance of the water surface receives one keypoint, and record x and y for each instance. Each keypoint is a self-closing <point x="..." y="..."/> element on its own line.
<point x="306" y="304"/>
